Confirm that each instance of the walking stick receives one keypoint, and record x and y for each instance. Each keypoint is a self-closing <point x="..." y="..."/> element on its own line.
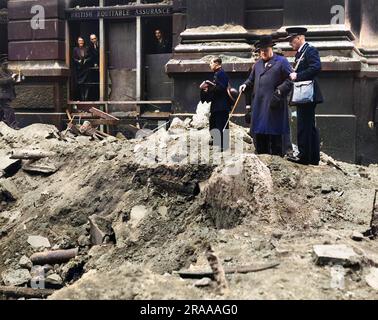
<point x="233" y="110"/>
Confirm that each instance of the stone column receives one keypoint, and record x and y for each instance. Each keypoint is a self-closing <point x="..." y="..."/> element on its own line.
<point x="353" y="16"/>
<point x="28" y="43"/>
<point x="369" y="24"/>
<point x="39" y="51"/>
<point x="309" y="12"/>
<point x="215" y="12"/>
<point x="178" y="20"/>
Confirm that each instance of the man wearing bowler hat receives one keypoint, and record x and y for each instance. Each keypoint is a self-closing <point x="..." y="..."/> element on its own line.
<point x="7" y="93"/>
<point x="308" y="68"/>
<point x="269" y="80"/>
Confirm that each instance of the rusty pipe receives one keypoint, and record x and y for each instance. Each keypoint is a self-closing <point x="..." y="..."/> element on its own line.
<point x="54" y="257"/>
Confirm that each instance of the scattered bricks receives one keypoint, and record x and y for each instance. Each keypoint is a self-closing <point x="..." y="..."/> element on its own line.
<point x="9" y="167"/>
<point x="326" y="189"/>
<point x="101" y="229"/>
<point x="73" y="270"/>
<point x="335" y="255"/>
<point x="83" y="241"/>
<point x="39" y="242"/>
<point x="357" y="236"/>
<point x="16" y="277"/>
<point x="110" y="155"/>
<point x="54" y="281"/>
<point x="277" y="234"/>
<point x="372" y="278"/>
<point x="204" y="282"/>
<point x="25" y="263"/>
<point x="8" y="191"/>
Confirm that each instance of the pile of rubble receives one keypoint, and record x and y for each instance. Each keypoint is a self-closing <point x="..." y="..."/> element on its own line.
<point x="149" y="218"/>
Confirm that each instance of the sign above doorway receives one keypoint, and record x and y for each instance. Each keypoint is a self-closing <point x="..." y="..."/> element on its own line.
<point x="118" y="12"/>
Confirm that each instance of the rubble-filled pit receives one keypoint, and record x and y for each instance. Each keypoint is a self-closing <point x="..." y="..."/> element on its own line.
<point x="138" y="215"/>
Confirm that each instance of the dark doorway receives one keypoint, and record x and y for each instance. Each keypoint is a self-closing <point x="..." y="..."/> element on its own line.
<point x="157" y="85"/>
<point x="84" y="30"/>
<point x="122" y="73"/>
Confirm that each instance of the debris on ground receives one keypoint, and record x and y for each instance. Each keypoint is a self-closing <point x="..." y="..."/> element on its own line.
<point x="335" y="254"/>
<point x="120" y="219"/>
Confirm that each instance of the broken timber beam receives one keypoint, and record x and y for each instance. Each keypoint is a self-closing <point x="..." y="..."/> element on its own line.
<point x="30" y="154"/>
<point x="54" y="257"/>
<point x="102" y="114"/>
<point x="28" y="293"/>
<point x="235" y="270"/>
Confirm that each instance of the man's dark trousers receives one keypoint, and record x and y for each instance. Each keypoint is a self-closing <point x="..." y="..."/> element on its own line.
<point x="218" y="121"/>
<point x="308" y="134"/>
<point x="7" y="113"/>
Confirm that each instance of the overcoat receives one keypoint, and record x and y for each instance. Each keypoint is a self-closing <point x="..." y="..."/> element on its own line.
<point x="265" y="79"/>
<point x="309" y="68"/>
<point x="81" y="61"/>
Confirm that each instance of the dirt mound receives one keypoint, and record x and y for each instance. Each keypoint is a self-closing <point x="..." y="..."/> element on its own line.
<point x="237" y="189"/>
<point x="127" y="282"/>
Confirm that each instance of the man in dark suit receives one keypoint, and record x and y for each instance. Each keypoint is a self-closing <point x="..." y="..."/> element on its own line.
<point x="93" y="50"/>
<point x="215" y="91"/>
<point x="161" y="45"/>
<point x="7" y="93"/>
<point x="309" y="67"/>
<point x="94" y="74"/>
<point x="270" y="82"/>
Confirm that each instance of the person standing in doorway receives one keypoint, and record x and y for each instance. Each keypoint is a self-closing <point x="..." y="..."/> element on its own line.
<point x="308" y="68"/>
<point x="161" y="44"/>
<point x="269" y="80"/>
<point x="93" y="50"/>
<point x="94" y="72"/>
<point x="81" y="68"/>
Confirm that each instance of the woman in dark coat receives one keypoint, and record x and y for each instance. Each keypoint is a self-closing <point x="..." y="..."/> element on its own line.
<point x="81" y="60"/>
<point x="270" y="116"/>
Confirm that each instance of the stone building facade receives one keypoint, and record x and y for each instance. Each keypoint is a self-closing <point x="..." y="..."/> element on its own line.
<point x="344" y="31"/>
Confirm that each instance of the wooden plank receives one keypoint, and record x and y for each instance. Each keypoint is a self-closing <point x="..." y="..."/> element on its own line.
<point x="234" y="270"/>
<point x="102" y="114"/>
<point x="104" y="122"/>
<point x="30" y="154"/>
<point x="28" y="293"/>
<point x="156" y="115"/>
<point x="81" y="103"/>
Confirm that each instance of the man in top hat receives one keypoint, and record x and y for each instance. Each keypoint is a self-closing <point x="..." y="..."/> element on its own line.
<point x="309" y="68"/>
<point x="270" y="114"/>
<point x="7" y="93"/>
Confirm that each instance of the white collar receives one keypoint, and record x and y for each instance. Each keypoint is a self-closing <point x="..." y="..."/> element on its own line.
<point x="300" y="49"/>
